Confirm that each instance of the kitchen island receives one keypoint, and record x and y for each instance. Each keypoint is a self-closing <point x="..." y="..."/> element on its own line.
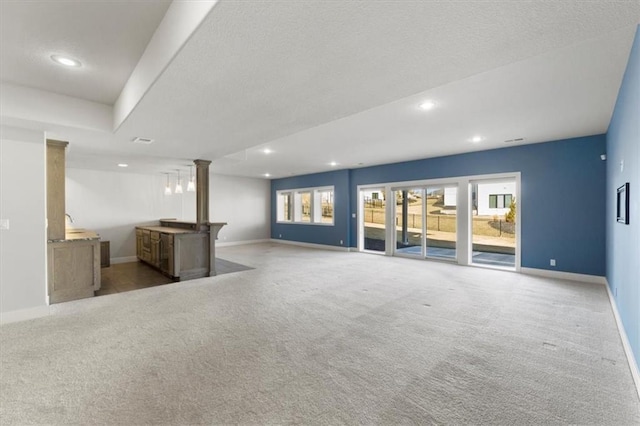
<point x="73" y="265"/>
<point x="179" y="249"/>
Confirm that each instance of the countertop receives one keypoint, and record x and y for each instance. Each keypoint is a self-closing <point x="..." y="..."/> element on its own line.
<point x="77" y="234"/>
<point x="168" y="230"/>
<point x="191" y="222"/>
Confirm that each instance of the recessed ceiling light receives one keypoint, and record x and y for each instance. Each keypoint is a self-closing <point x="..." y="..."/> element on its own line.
<point x="514" y="140"/>
<point x="427" y="105"/>
<point x="67" y="62"/>
<point x="267" y="175"/>
<point x="476" y="139"/>
<point x="143" y="141"/>
<point x="267" y="151"/>
<point x="123" y="165"/>
<point x="333" y="164"/>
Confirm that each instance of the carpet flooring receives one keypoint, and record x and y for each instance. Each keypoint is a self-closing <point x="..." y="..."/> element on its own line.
<point x="318" y="337"/>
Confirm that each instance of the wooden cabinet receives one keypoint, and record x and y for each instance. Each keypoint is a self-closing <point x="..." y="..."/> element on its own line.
<point x="148" y="246"/>
<point x="139" y="243"/>
<point x="154" y="238"/>
<point x="180" y="253"/>
<point x="74" y="269"/>
<point x="105" y="254"/>
<point x="167" y="258"/>
<point x="144" y="248"/>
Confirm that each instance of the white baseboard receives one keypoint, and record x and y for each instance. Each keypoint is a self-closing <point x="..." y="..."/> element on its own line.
<point x="126" y="259"/>
<point x="594" y="279"/>
<point x="311" y="245"/>
<point x="239" y="243"/>
<point x="633" y="364"/>
<point x="24" y="314"/>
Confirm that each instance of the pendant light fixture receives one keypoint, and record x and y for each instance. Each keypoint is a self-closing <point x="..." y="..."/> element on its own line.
<point x="167" y="189"/>
<point x="191" y="186"/>
<point x="178" y="184"/>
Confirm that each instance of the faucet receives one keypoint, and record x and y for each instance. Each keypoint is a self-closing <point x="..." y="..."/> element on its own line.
<point x="69" y="217"/>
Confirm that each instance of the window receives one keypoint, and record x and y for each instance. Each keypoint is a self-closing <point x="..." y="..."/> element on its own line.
<point x="284" y="206"/>
<point x="307" y="206"/>
<point x="500" y="201"/>
<point x="507" y="200"/>
<point x="305" y="200"/>
<point x="325" y="215"/>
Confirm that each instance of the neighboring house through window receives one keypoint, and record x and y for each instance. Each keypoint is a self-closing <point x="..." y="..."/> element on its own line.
<point x="494" y="198"/>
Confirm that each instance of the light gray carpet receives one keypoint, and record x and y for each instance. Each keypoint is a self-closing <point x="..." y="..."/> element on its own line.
<point x="318" y="337"/>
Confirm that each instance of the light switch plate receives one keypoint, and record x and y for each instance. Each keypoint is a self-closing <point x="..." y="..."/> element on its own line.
<point x="4" y="224"/>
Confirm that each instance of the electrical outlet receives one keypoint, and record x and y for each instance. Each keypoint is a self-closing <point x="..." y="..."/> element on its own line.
<point x="353" y="215"/>
<point x="552" y="262"/>
<point x="340" y="242"/>
<point x="280" y="236"/>
<point x="4" y="224"/>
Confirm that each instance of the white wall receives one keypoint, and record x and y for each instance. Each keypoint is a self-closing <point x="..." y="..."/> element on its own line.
<point x="113" y="203"/>
<point x="23" y="288"/>
<point x="244" y="203"/>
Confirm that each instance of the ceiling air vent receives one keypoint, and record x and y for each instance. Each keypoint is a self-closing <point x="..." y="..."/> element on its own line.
<point x="517" y="140"/>
<point x="143" y="141"/>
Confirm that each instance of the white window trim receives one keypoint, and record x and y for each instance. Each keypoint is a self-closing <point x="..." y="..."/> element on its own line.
<point x="296" y="219"/>
<point x="279" y="213"/>
<point x="463" y="246"/>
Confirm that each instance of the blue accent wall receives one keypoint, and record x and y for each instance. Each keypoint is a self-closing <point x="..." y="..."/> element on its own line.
<point x="562" y="193"/>
<point x="623" y="241"/>
<point x="316" y="234"/>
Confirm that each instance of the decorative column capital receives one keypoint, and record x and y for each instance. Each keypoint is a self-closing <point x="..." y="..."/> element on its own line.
<point x="57" y="144"/>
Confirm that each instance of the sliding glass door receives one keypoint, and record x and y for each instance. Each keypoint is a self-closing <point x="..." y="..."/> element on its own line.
<point x="470" y="220"/>
<point x="409" y="217"/>
<point x="426" y="221"/>
<point x="373" y="212"/>
<point x="493" y="222"/>
<point x="442" y="209"/>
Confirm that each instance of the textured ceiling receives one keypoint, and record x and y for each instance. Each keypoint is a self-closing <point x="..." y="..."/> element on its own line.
<point x="108" y="37"/>
<point x="565" y="93"/>
<point x="258" y="71"/>
<point x="322" y="81"/>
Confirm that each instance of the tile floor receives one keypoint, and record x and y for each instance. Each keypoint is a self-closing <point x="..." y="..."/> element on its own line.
<point x="122" y="277"/>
